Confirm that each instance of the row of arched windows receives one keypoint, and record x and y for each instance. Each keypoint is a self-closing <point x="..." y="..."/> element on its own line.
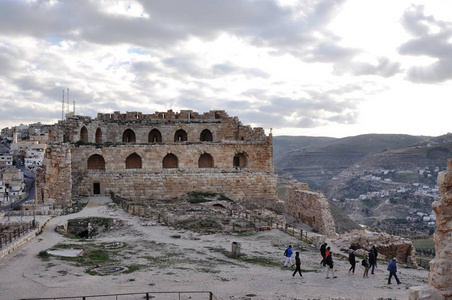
<point x="154" y="136"/>
<point x="133" y="161"/>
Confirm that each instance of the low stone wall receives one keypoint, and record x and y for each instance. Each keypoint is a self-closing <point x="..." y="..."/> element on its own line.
<point x="8" y="249"/>
<point x="311" y="208"/>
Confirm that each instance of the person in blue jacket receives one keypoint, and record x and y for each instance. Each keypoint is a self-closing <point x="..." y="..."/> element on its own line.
<point x="288" y="253"/>
<point x="392" y="268"/>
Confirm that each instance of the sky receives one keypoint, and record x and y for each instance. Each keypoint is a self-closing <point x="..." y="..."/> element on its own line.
<point x="332" y="68"/>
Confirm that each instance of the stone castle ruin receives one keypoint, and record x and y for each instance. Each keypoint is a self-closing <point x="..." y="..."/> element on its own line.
<point x="157" y="156"/>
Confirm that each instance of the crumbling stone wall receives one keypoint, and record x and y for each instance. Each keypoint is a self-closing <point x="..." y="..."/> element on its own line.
<point x="311" y="208"/>
<point x="114" y="153"/>
<point x="54" y="180"/>
<point x="388" y="246"/>
<point x="440" y="276"/>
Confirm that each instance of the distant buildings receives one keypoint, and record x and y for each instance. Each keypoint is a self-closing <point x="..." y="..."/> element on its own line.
<point x="12" y="185"/>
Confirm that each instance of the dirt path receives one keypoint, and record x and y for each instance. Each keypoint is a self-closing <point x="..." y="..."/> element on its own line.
<point x="178" y="260"/>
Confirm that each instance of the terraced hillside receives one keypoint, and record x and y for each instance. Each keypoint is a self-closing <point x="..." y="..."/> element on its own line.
<point x="324" y="158"/>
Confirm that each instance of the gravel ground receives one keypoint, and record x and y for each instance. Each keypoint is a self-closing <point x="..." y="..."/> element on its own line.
<point x="168" y="259"/>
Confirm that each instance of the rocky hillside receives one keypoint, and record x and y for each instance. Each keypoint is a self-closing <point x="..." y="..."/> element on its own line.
<point x="384" y="181"/>
<point x="317" y="161"/>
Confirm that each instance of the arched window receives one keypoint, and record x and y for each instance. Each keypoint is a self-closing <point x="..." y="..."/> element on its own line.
<point x="170" y="161"/>
<point x="98" y="136"/>
<point x="133" y="161"/>
<point x="206" y="136"/>
<point x="84" y="134"/>
<point x="128" y="136"/>
<point x="96" y="162"/>
<point x="155" y="136"/>
<point x="180" y="136"/>
<point x="240" y="160"/>
<point x="205" y="161"/>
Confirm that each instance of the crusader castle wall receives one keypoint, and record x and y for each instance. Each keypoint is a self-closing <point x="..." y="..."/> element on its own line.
<point x="157" y="156"/>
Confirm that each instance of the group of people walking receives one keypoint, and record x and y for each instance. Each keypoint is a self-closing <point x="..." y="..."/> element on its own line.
<point x="369" y="262"/>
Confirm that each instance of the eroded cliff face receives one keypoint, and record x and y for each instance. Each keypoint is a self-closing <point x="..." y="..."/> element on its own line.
<point x="440" y="276"/>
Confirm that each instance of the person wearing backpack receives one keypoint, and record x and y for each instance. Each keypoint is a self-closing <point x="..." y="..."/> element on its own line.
<point x="352" y="261"/>
<point x="365" y="263"/>
<point x="330" y="263"/>
<point x="288" y="254"/>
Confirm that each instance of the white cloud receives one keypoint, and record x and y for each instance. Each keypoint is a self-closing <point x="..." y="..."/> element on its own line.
<point x="299" y="67"/>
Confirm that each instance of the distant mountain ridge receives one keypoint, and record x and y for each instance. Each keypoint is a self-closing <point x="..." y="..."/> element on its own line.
<point x="317" y="160"/>
<point x="387" y="182"/>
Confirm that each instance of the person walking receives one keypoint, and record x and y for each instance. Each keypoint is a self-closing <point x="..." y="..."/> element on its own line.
<point x="392" y="268"/>
<point x="288" y="254"/>
<point x="372" y="261"/>
<point x="322" y="252"/>
<point x="330" y="263"/>
<point x="297" y="265"/>
<point x="327" y="251"/>
<point x="352" y="261"/>
<point x="366" y="265"/>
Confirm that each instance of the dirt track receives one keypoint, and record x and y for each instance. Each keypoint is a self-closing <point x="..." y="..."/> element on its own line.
<point x="189" y="263"/>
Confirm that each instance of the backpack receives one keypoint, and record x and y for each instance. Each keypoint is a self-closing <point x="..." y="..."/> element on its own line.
<point x="363" y="262"/>
<point x="285" y="252"/>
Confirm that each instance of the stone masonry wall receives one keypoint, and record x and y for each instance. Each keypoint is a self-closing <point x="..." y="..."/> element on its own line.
<point x="440" y="276"/>
<point x="112" y="127"/>
<point x="55" y="185"/>
<point x="259" y="156"/>
<point x="144" y="186"/>
<point x="114" y="152"/>
<point x="311" y="208"/>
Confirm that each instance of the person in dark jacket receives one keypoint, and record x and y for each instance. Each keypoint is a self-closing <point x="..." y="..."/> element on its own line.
<point x="352" y="260"/>
<point x="372" y="261"/>
<point x="297" y="265"/>
<point x="329" y="262"/>
<point x="375" y="254"/>
<point x="322" y="252"/>
<point x="392" y="268"/>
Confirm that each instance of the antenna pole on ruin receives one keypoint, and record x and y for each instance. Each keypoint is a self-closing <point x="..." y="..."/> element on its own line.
<point x="73" y="109"/>
<point x="62" y="108"/>
<point x="68" y="105"/>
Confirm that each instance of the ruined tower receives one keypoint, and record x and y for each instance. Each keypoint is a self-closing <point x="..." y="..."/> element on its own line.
<point x="157" y="156"/>
<point x="440" y="275"/>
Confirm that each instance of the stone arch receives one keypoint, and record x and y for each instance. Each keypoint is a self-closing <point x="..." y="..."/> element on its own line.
<point x="205" y="161"/>
<point x="170" y="161"/>
<point x="84" y="134"/>
<point x="99" y="136"/>
<point x="155" y="136"/>
<point x="128" y="136"/>
<point x="206" y="136"/>
<point x="96" y="162"/>
<point x="180" y="136"/>
<point x="240" y="160"/>
<point x="133" y="161"/>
